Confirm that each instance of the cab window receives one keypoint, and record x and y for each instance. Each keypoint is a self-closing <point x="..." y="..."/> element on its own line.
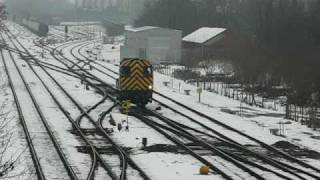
<point x="147" y="71"/>
<point x="125" y="71"/>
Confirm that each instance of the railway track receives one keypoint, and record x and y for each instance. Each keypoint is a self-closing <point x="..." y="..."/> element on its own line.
<point x="95" y="154"/>
<point x="86" y="113"/>
<point x="210" y="165"/>
<point x="185" y="130"/>
<point x="125" y="158"/>
<point x="268" y="147"/>
<point x="247" y="156"/>
<point x="284" y="166"/>
<point x="27" y="124"/>
<point x="216" y="122"/>
<point x="192" y="152"/>
<point x="93" y="61"/>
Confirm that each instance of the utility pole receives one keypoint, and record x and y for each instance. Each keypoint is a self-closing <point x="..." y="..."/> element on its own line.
<point x="172" y="77"/>
<point x="42" y="44"/>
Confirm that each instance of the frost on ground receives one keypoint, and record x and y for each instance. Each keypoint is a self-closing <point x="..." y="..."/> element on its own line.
<point x="14" y="156"/>
<point x="254" y="121"/>
<point x="161" y="159"/>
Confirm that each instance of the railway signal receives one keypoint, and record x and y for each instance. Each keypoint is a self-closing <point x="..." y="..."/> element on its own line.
<point x="126" y="106"/>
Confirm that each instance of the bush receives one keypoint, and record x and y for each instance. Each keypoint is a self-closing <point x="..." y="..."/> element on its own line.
<point x="185" y="74"/>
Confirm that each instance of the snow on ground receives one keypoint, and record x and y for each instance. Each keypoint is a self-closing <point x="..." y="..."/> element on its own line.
<point x="159" y="165"/>
<point x="58" y="122"/>
<point x="254" y="121"/>
<point x="10" y="125"/>
<point x="83" y="29"/>
<point x="133" y="138"/>
<point x="49" y="158"/>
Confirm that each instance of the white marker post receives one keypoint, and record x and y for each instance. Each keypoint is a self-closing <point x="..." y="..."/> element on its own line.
<point x="199" y="90"/>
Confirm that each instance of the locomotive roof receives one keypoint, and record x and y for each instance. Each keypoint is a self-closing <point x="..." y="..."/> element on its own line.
<point x="134" y="59"/>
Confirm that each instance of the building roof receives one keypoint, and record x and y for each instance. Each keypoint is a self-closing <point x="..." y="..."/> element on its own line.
<point x="139" y="29"/>
<point x="203" y="34"/>
<point x="106" y="21"/>
<point x="80" y="23"/>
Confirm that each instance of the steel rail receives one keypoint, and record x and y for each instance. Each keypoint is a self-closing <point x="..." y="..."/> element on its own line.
<point x="181" y="144"/>
<point x="281" y="165"/>
<point x="123" y="155"/>
<point x="32" y="150"/>
<point x="239" y="132"/>
<point x="95" y="153"/>
<point x="182" y="128"/>
<point x="62" y="156"/>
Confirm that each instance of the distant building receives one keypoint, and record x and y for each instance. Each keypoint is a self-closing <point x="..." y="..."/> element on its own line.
<point x="158" y="45"/>
<point x="113" y="28"/>
<point x="204" y="43"/>
<point x="84" y="23"/>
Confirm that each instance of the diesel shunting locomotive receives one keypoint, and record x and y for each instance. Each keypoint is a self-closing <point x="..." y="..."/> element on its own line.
<point x="136" y="81"/>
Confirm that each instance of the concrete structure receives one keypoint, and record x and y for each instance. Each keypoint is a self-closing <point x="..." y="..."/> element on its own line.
<point x="113" y="28"/>
<point x="158" y="45"/>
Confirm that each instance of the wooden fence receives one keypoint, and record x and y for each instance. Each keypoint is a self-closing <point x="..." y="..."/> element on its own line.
<point x="309" y="116"/>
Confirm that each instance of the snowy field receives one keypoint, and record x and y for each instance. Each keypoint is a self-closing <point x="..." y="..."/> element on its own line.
<point x="159" y="165"/>
<point x="254" y="121"/>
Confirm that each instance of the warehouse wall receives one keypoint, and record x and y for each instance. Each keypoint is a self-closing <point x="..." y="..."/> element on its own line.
<point x="157" y="45"/>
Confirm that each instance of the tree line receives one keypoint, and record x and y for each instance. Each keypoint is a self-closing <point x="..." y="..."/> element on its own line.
<point x="77" y="10"/>
<point x="43" y="10"/>
<point x="274" y="42"/>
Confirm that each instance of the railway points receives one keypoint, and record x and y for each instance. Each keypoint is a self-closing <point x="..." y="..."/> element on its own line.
<point x="83" y="90"/>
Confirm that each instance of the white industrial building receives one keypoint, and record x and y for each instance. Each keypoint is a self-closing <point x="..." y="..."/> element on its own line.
<point x="158" y="45"/>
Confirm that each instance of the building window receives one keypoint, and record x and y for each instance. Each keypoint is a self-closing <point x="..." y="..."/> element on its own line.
<point x="142" y="53"/>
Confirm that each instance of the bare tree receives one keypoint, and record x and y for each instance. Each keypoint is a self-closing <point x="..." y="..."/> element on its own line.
<point x="3" y="12"/>
<point x="10" y="155"/>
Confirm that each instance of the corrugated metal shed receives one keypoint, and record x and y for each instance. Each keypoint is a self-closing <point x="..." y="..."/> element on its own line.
<point x="159" y="45"/>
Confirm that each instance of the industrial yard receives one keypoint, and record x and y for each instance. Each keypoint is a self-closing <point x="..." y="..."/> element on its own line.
<point x="104" y="100"/>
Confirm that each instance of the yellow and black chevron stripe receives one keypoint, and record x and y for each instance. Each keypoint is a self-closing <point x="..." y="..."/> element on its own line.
<point x="137" y="80"/>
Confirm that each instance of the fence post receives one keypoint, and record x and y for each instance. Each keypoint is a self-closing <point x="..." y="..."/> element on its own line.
<point x="302" y="112"/>
<point x="237" y="94"/>
<point x="287" y="110"/>
<point x="290" y="112"/>
<point x="232" y="93"/>
<point x="295" y="113"/>
<point x="318" y="117"/>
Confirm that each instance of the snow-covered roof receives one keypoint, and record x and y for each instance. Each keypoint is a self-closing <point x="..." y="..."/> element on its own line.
<point x="203" y="34"/>
<point x="138" y="29"/>
<point x="80" y="23"/>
